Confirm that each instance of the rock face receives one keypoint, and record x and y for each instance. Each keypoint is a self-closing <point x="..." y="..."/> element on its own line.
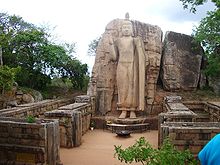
<point x="103" y="83"/>
<point x="181" y="62"/>
<point x="215" y="84"/>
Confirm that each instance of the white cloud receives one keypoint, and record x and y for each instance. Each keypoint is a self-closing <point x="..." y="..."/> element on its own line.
<point x="83" y="20"/>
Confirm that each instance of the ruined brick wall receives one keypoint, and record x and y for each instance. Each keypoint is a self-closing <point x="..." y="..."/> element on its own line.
<point x="213" y="109"/>
<point x="182" y="123"/>
<point x="189" y="135"/>
<point x="29" y="143"/>
<point x="35" y="109"/>
<point x="198" y="107"/>
<point x="74" y="121"/>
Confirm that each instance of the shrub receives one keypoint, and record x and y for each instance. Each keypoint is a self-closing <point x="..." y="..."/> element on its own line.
<point x="30" y="119"/>
<point x="143" y="152"/>
<point x="7" y="77"/>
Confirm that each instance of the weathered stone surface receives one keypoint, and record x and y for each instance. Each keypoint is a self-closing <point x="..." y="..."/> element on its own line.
<point x="181" y="62"/>
<point x="215" y="84"/>
<point x="188" y="135"/>
<point x="29" y="143"/>
<point x="27" y="98"/>
<point x="83" y="99"/>
<point x="172" y="99"/>
<point x="103" y="83"/>
<point x="74" y="121"/>
<point x="177" y="107"/>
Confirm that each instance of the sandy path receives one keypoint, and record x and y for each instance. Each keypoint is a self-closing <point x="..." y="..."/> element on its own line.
<point x="98" y="148"/>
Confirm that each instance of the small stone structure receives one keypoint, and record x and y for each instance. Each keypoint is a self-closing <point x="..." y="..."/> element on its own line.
<point x="182" y="124"/>
<point x="174" y="111"/>
<point x="29" y="143"/>
<point x="74" y="121"/>
<point x="189" y="135"/>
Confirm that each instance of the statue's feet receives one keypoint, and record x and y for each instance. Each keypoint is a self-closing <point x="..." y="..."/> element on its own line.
<point x="123" y="115"/>
<point x="132" y="115"/>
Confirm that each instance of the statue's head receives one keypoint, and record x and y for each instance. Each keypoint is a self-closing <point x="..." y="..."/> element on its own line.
<point x="127" y="26"/>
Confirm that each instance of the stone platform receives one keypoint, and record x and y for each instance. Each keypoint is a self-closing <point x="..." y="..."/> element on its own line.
<point x="115" y="124"/>
<point x="128" y="127"/>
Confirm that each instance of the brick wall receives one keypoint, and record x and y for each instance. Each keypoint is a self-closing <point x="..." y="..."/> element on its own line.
<point x="29" y="143"/>
<point x="35" y="109"/>
<point x="189" y="135"/>
<point x="74" y="121"/>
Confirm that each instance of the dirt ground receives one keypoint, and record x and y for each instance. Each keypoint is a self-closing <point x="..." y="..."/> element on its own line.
<point x="98" y="148"/>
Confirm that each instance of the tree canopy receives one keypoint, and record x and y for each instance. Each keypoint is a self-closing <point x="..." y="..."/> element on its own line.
<point x="208" y="34"/>
<point x="29" y="46"/>
<point x="93" y="46"/>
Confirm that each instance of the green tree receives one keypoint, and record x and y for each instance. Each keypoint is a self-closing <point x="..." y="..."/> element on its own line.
<point x="28" y="46"/>
<point x="93" y="46"/>
<point x="7" y="77"/>
<point x="208" y="34"/>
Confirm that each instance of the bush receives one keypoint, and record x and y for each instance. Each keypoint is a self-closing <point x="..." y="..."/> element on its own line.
<point x="7" y="77"/>
<point x="30" y="119"/>
<point x="143" y="152"/>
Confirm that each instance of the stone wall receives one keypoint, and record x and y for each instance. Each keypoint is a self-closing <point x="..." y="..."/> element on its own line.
<point x="174" y="111"/>
<point x="74" y="121"/>
<point x="29" y="143"/>
<point x="198" y="107"/>
<point x="35" y="109"/>
<point x="87" y="99"/>
<point x="182" y="123"/>
<point x="189" y="135"/>
<point x="213" y="109"/>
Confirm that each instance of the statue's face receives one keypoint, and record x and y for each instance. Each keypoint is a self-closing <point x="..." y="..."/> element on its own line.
<point x="126" y="29"/>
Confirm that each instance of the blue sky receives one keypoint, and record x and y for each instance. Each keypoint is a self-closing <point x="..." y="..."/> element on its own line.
<point x="81" y="21"/>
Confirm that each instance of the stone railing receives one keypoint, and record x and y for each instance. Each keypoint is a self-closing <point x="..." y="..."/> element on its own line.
<point x="74" y="121"/>
<point x="29" y="143"/>
<point x="189" y="135"/>
<point x="35" y="109"/>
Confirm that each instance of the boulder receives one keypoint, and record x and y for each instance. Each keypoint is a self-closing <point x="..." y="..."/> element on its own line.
<point x="181" y="62"/>
<point x="27" y="98"/>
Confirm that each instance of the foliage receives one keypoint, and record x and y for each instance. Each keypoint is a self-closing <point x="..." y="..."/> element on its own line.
<point x="92" y="123"/>
<point x="192" y="4"/>
<point x="26" y="45"/>
<point x="7" y="77"/>
<point x="208" y="34"/>
<point x="61" y="82"/>
<point x="30" y="119"/>
<point x="143" y="152"/>
<point x="32" y="78"/>
<point x="92" y="46"/>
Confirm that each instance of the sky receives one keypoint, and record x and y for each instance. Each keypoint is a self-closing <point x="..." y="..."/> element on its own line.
<point x="81" y="21"/>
